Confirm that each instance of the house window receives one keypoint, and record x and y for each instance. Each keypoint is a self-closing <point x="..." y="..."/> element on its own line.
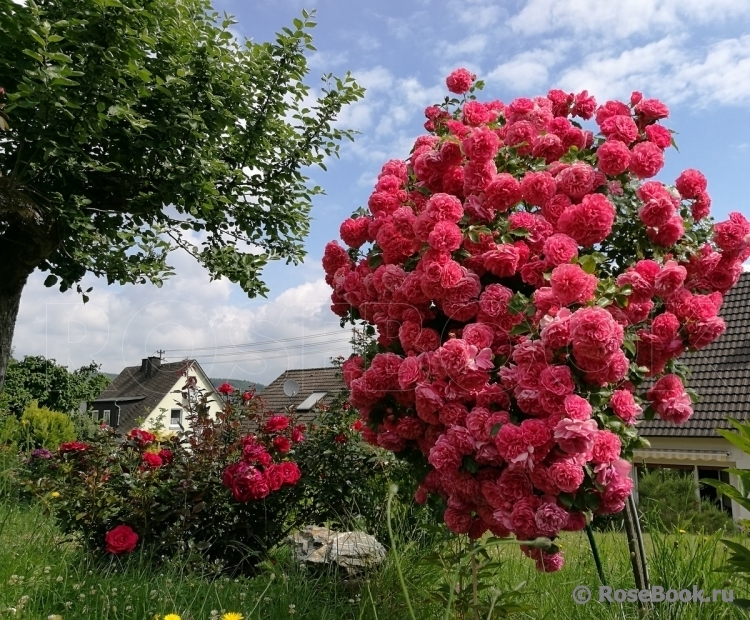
<point x="310" y="401"/>
<point x="95" y="415"/>
<point x="175" y="418"/>
<point x="105" y="417"/>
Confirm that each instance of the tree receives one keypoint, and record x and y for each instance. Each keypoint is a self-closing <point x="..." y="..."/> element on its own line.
<point x="36" y="378"/>
<point x="132" y="129"/>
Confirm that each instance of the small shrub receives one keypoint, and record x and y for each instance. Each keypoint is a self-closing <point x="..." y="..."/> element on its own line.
<point x="38" y="427"/>
<point x="668" y="501"/>
<point x="213" y="493"/>
<point x="345" y="480"/>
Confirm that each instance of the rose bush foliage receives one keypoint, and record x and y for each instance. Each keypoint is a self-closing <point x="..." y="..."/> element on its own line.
<point x="531" y="288"/>
<point x="224" y="491"/>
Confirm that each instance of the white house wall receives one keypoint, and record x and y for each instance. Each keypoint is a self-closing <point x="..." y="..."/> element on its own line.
<point x="174" y="399"/>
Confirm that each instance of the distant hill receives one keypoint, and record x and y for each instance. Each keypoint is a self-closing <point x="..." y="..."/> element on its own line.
<point x="238" y="383"/>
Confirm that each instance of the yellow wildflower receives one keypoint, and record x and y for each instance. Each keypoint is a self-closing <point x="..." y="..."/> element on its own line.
<point x="172" y="617"/>
<point x="54" y="494"/>
<point x="232" y="615"/>
<point x="682" y="531"/>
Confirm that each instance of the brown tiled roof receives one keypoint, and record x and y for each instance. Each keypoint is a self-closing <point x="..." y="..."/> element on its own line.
<point x="720" y="374"/>
<point x="137" y="394"/>
<point x="327" y="379"/>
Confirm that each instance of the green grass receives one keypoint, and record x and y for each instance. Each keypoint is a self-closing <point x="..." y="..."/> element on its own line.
<point x="58" y="578"/>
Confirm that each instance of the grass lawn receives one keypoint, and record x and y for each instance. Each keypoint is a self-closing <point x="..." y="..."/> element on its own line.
<point x="42" y="574"/>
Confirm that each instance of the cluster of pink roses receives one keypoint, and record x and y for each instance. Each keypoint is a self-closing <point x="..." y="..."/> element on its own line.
<point x="256" y="476"/>
<point x="525" y="279"/>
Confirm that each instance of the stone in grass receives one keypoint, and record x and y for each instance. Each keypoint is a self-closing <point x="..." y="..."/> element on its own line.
<point x="352" y="551"/>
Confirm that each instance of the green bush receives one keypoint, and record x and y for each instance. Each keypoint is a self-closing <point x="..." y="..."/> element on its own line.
<point x="345" y="480"/>
<point x="668" y="500"/>
<point x="38" y="427"/>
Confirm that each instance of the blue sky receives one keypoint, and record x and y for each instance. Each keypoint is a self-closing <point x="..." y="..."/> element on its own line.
<point x="693" y="54"/>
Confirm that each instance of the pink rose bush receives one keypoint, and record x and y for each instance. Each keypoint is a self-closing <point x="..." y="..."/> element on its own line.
<point x="526" y="277"/>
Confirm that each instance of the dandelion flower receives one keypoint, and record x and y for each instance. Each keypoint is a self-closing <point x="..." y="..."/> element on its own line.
<point x="232" y="615"/>
<point x="172" y="617"/>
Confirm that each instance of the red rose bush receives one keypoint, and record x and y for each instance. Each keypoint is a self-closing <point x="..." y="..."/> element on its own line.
<point x="228" y="486"/>
<point x="526" y="277"/>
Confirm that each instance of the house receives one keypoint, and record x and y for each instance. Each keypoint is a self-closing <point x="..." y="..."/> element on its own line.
<point x="316" y="386"/>
<point x="720" y="374"/>
<point x="141" y="394"/>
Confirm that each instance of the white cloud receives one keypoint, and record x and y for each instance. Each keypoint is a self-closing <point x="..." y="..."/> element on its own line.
<point x="472" y="45"/>
<point x="324" y="61"/>
<point x="669" y="69"/>
<point x="189" y="317"/>
<point x="621" y="19"/>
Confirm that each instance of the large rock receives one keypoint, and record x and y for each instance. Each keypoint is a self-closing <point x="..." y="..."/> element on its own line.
<point x="352" y="551"/>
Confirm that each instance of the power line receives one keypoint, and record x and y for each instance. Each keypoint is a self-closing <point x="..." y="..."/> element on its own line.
<point x="251" y="344"/>
<point x="272" y="349"/>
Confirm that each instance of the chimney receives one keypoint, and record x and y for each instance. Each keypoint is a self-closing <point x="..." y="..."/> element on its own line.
<point x="150" y="365"/>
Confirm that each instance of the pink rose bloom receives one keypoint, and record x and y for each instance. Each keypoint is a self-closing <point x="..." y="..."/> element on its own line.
<point x="476" y="113"/>
<point x="481" y="144"/>
<point x="549" y="147"/>
<point x="651" y="109"/>
<point x="445" y="237"/>
<point x="704" y="332"/>
<point x="478" y="175"/>
<point x="395" y="167"/>
<point x="550" y="562"/>
<point x="732" y="234"/>
<point x="354" y="232"/>
<point x="550" y="519"/>
<point x="521" y="134"/>
<point x="458" y="522"/>
<point x="460" y="81"/>
<point x="595" y="334"/>
<point x="479" y="335"/>
<point x="660" y="136"/>
<point x="620" y="127"/>
<point x="557" y="380"/>
<point x="589" y="222"/>
<point x="555" y="207"/>
<point x="615" y="496"/>
<point x="668" y="234"/>
<point x="611" y="108"/>
<point x="513" y="485"/>
<point x="691" y="183"/>
<point x="555" y="333"/>
<point x="606" y="448"/>
<point x="537" y="187"/>
<point x="583" y="105"/>
<point x="614" y="157"/>
<point x="646" y="160"/>
<point x="670" y="278"/>
<point x="701" y="207"/>
<point x="567" y="475"/>
<point x="444" y="207"/>
<point x="657" y="211"/>
<point x="576" y="181"/>
<point x="575" y="436"/>
<point x="503" y="192"/>
<point x="624" y="406"/>
<point x="444" y="455"/>
<point x="571" y="284"/>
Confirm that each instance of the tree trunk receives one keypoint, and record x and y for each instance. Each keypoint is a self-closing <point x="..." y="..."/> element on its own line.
<point x="11" y="287"/>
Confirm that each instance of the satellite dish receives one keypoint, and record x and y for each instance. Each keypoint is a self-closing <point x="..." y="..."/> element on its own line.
<point x="291" y="388"/>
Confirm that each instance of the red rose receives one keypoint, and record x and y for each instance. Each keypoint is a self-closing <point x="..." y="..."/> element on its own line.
<point x="297" y="435"/>
<point x="291" y="472"/>
<point x="340" y="438"/>
<point x="73" y="446"/>
<point x="153" y="460"/>
<point x="225" y="388"/>
<point x="141" y="436"/>
<point x="121" y="539"/>
<point x="276" y="423"/>
<point x="282" y="444"/>
<point x="251" y="486"/>
<point x="166" y="455"/>
<point x="358" y="426"/>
